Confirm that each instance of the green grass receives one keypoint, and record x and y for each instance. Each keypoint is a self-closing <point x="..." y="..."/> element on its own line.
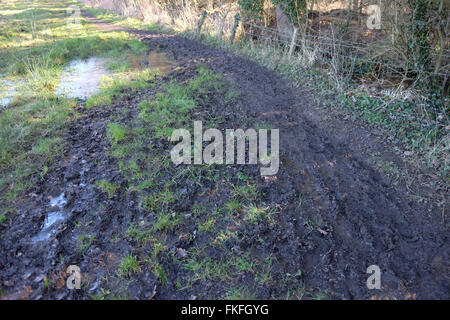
<point x="107" y="295"/>
<point x="3" y="218"/>
<point x="84" y="242"/>
<point x="140" y="144"/>
<point x="107" y="187"/>
<point x="129" y="266"/>
<point x="121" y="84"/>
<point x="207" y="226"/>
<point x="173" y="104"/>
<point x="116" y="132"/>
<point x="159" y="271"/>
<point x="169" y="110"/>
<point x="233" y="206"/>
<point x="159" y="201"/>
<point x="226" y="268"/>
<point x="6" y="214"/>
<point x="139" y="234"/>
<point x="143" y="234"/>
<point x="246" y="192"/>
<point x="164" y="223"/>
<point x="35" y="45"/>
<point x="256" y="214"/>
<point x="242" y="293"/>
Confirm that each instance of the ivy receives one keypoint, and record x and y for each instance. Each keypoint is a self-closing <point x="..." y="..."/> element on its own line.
<point x="294" y="9"/>
<point x="418" y="43"/>
<point x="419" y="51"/>
<point x="254" y="9"/>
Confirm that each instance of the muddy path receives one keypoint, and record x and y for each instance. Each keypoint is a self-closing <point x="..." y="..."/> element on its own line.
<point x="337" y="214"/>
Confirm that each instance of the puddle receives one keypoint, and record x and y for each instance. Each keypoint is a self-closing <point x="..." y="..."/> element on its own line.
<point x="7" y="91"/>
<point x="81" y="78"/>
<point x="160" y="61"/>
<point x="59" y="201"/>
<point x="52" y="219"/>
<point x="154" y="61"/>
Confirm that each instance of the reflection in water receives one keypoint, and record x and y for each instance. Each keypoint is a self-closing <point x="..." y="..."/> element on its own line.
<point x="160" y="61"/>
<point x="52" y="219"/>
<point x="81" y="78"/>
<point x="7" y="91"/>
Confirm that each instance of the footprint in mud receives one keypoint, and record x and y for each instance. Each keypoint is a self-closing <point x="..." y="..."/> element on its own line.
<point x="53" y="219"/>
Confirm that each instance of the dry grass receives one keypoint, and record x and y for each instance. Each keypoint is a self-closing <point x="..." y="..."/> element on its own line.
<point x="182" y="16"/>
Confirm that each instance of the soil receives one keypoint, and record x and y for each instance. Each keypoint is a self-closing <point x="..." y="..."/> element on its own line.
<point x="360" y="218"/>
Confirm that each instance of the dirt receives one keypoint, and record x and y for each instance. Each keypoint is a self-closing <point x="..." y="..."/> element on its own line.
<point x="359" y="218"/>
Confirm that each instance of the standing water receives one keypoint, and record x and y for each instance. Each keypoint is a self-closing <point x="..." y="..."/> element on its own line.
<point x="52" y="219"/>
<point x="159" y="61"/>
<point x="7" y="91"/>
<point x="81" y="78"/>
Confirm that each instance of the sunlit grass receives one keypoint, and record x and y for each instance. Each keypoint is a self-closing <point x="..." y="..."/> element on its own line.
<point x="113" y="87"/>
<point x="36" y="44"/>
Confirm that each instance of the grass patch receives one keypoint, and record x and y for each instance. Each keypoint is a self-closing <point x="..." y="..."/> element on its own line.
<point x="242" y="293"/>
<point x="107" y="187"/>
<point x="128" y="267"/>
<point x="2" y="218"/>
<point x="140" y="145"/>
<point x="246" y="192"/>
<point x="172" y="106"/>
<point x="164" y="223"/>
<point x="84" y="242"/>
<point x="207" y="226"/>
<point x="116" y="132"/>
<point x="141" y="236"/>
<point x="36" y="43"/>
<point x="119" y="85"/>
<point x="159" y="201"/>
<point x="107" y="295"/>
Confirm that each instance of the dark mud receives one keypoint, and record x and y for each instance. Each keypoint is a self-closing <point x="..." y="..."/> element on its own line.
<point x="337" y="215"/>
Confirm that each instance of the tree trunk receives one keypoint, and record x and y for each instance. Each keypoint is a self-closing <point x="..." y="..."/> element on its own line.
<point x="284" y="26"/>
